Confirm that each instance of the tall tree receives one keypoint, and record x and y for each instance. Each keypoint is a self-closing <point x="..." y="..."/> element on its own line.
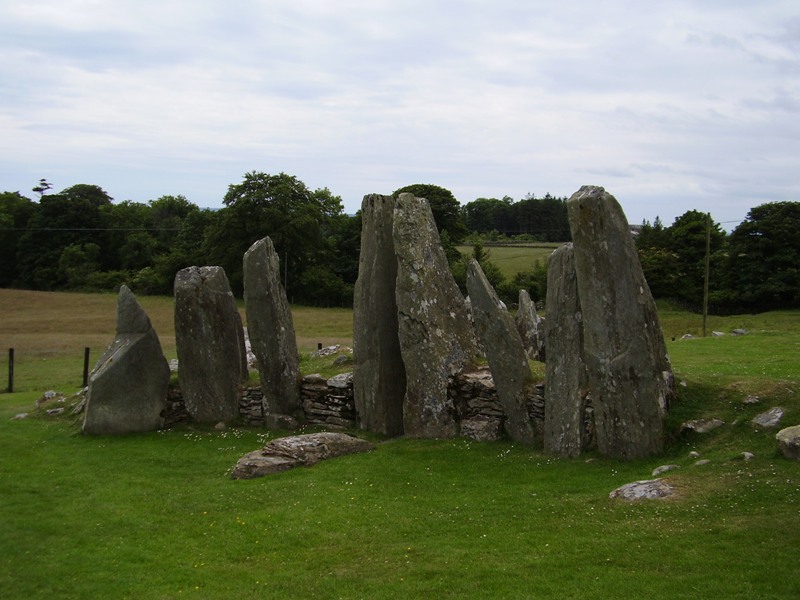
<point x="764" y="258"/>
<point x="16" y="212"/>
<point x="280" y="206"/>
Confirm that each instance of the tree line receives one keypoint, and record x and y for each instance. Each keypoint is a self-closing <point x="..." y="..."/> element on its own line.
<point x="81" y="239"/>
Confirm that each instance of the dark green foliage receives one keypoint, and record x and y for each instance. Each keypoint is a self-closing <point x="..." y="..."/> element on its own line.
<point x="540" y="219"/>
<point x="16" y="212"/>
<point x="764" y="258"/>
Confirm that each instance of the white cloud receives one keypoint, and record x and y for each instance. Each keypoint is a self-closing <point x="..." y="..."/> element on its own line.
<point x="673" y="107"/>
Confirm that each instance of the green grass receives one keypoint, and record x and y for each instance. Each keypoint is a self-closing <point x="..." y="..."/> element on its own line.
<point x="157" y="516"/>
<point x="517" y="258"/>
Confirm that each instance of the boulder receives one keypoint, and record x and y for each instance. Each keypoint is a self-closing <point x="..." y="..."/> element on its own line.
<point x="271" y="330"/>
<point x="506" y="355"/>
<point x="128" y="387"/>
<point x="210" y="343"/>
<point x="436" y="337"/>
<point x="565" y="373"/>
<point x="297" y="451"/>
<point x="769" y="419"/>
<point x="789" y="442"/>
<point x="641" y="490"/>
<point x="531" y="327"/>
<point x="379" y="377"/>
<point x="628" y="369"/>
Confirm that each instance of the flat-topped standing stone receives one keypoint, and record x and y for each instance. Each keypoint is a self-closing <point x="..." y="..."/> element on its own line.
<point x="504" y="351"/>
<point x="210" y="344"/>
<point x="628" y="368"/>
<point x="436" y="337"/>
<point x="379" y="376"/>
<point x="530" y="327"/>
<point x="565" y="369"/>
<point x="271" y="330"/>
<point x="128" y="387"/>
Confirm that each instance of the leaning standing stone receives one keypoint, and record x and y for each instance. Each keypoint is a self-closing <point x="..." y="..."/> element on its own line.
<point x="530" y="327"/>
<point x="436" y="337"/>
<point x="210" y="344"/>
<point x="504" y="351"/>
<point x="379" y="376"/>
<point x="271" y="330"/>
<point x="128" y="387"/>
<point x="566" y="372"/>
<point x="628" y="367"/>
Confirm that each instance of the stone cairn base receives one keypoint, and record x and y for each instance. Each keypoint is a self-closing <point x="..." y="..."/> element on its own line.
<point x="330" y="402"/>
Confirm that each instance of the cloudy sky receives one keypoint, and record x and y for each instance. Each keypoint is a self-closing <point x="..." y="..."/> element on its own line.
<point x="670" y="106"/>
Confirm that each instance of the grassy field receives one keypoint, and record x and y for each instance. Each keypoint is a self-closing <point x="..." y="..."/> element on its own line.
<point x="517" y="258"/>
<point x="156" y="515"/>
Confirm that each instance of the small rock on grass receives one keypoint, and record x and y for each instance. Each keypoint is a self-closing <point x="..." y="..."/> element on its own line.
<point x="663" y="469"/>
<point x="642" y="490"/>
<point x="789" y="442"/>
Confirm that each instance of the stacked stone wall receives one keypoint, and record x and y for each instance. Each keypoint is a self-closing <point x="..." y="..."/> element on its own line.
<point x="331" y="403"/>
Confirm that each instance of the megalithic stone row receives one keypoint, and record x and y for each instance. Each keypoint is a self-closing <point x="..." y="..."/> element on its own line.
<point x="530" y="327"/>
<point x="436" y="338"/>
<point x="508" y="361"/>
<point x="565" y="368"/>
<point x="629" y="371"/>
<point x="271" y="330"/>
<point x="379" y="376"/>
<point x="128" y="387"/>
<point x="210" y="344"/>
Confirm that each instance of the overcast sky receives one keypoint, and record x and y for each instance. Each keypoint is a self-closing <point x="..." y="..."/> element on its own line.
<point x="670" y="106"/>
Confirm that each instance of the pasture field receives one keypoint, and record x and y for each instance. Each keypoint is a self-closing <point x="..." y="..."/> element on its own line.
<point x="157" y="515"/>
<point x="516" y="258"/>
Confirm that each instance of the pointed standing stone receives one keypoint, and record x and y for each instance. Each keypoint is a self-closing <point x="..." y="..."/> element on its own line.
<point x="628" y="368"/>
<point x="530" y="327"/>
<point x="379" y="376"/>
<point x="271" y="330"/>
<point x="506" y="355"/>
<point x="210" y="344"/>
<point x="565" y="376"/>
<point x="128" y="387"/>
<point x="436" y="338"/>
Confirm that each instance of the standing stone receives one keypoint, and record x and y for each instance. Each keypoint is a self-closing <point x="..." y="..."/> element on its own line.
<point x="565" y="373"/>
<point x="628" y="367"/>
<point x="379" y="376"/>
<point x="530" y="327"/>
<point x="210" y="344"/>
<point x="504" y="351"/>
<point x="128" y="387"/>
<point x="436" y="337"/>
<point x="271" y="330"/>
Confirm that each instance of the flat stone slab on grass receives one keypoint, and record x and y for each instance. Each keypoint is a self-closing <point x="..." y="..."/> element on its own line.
<point x="650" y="489"/>
<point x="769" y="419"/>
<point x="297" y="451"/>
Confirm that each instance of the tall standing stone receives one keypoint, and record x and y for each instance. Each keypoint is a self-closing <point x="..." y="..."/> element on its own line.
<point x="530" y="327"/>
<point x="628" y="368"/>
<point x="504" y="351"/>
<point x="379" y="376"/>
<point x="271" y="330"/>
<point x="210" y="344"/>
<point x="128" y="387"/>
<point x="565" y="377"/>
<point x="436" y="337"/>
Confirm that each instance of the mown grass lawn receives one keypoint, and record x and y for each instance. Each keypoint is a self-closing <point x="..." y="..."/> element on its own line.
<point x="157" y="516"/>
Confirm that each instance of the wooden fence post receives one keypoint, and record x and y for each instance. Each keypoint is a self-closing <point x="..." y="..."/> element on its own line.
<point x="85" y="367"/>
<point x="10" y="370"/>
